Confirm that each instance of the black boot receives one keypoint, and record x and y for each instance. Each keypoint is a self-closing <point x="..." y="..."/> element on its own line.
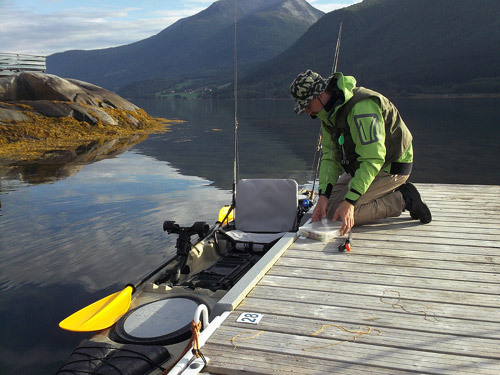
<point x="413" y="203"/>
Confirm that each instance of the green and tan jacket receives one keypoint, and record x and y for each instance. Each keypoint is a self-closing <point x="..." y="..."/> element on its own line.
<point x="362" y="134"/>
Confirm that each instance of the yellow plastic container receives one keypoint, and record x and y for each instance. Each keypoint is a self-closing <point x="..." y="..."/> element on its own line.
<point x="222" y="214"/>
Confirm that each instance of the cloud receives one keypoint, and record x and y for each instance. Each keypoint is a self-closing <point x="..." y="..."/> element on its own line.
<point x="35" y="32"/>
<point x="57" y="25"/>
<point x="329" y="6"/>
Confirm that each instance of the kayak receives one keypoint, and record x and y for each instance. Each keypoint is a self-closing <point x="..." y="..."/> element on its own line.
<point x="158" y="325"/>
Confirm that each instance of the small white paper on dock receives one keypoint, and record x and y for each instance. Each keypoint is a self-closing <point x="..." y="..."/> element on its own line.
<point x="250" y="318"/>
<point x="324" y="230"/>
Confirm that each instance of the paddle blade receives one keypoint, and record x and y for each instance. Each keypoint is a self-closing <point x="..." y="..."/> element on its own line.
<point x="101" y="314"/>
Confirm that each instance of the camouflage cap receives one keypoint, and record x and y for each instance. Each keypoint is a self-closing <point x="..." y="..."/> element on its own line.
<point x="305" y="88"/>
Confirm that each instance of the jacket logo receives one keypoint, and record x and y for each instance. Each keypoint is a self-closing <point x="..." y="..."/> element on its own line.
<point x="368" y="128"/>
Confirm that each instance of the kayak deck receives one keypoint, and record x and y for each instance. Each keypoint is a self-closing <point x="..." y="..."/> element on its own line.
<point x="408" y="298"/>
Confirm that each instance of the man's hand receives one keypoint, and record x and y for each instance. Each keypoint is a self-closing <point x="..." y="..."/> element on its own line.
<point x="320" y="209"/>
<point x="346" y="212"/>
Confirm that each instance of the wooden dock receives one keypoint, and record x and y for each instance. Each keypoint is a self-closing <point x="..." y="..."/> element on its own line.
<point x="16" y="63"/>
<point x="409" y="298"/>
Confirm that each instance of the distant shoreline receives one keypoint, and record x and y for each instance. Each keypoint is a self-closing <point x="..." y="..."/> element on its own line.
<point x="448" y="96"/>
<point x="407" y="96"/>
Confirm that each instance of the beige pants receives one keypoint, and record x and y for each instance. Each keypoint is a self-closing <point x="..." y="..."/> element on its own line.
<point x="380" y="200"/>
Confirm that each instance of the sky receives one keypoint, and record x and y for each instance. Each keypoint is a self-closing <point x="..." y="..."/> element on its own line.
<point x="44" y="27"/>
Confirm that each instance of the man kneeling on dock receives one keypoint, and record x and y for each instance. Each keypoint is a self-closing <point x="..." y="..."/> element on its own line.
<point x="364" y="135"/>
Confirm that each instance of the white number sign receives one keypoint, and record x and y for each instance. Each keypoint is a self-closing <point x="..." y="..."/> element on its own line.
<point x="251" y="318"/>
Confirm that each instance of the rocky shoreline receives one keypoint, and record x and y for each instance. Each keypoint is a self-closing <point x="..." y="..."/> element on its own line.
<point x="41" y="112"/>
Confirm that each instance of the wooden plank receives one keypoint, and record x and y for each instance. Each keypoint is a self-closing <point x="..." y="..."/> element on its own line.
<point x="337" y="328"/>
<point x="255" y="362"/>
<point x="457" y="188"/>
<point x="20" y="57"/>
<point x="23" y="66"/>
<point x="394" y="318"/>
<point x="404" y="222"/>
<point x="429" y="238"/>
<point x="448" y="197"/>
<point x="421" y="251"/>
<point x="385" y="292"/>
<point x="388" y="279"/>
<point x="353" y="352"/>
<point x="14" y="63"/>
<point x="381" y="302"/>
<point x="454" y="220"/>
<point x="465" y="216"/>
<point x="383" y="270"/>
<point x="443" y="205"/>
<point x="379" y="247"/>
<point x="334" y="255"/>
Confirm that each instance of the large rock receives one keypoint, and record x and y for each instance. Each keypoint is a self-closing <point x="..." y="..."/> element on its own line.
<point x="52" y="96"/>
<point x="40" y="141"/>
<point x="11" y="112"/>
<point x="41" y="86"/>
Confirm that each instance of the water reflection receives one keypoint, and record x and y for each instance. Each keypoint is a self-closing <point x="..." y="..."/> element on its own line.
<point x="272" y="142"/>
<point x="108" y="214"/>
<point x="58" y="164"/>
<point x="64" y="245"/>
<point x="455" y="140"/>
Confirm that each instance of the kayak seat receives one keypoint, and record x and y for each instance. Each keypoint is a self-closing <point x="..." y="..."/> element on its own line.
<point x="265" y="209"/>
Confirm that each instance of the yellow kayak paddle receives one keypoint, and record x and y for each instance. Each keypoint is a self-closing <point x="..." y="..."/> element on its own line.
<point x="107" y="311"/>
<point x="101" y="314"/>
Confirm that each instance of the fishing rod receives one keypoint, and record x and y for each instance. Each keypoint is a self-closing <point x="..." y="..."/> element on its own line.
<point x="318" y="147"/>
<point x="337" y="50"/>
<point x="235" y="95"/>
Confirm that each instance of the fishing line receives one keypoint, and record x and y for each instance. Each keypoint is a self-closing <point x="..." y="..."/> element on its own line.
<point x="334" y="70"/>
<point x="236" y="161"/>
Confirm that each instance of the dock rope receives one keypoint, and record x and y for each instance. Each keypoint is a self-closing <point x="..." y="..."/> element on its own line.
<point x="195" y="330"/>
<point x="194" y="341"/>
<point x="361" y="331"/>
<point x="398" y="304"/>
<point x="233" y="340"/>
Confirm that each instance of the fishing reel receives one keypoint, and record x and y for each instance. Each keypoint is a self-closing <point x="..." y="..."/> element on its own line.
<point x="183" y="244"/>
<point x="304" y="204"/>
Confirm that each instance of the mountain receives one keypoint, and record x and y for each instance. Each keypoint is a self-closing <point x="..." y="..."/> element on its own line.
<point x="200" y="46"/>
<point x="398" y="47"/>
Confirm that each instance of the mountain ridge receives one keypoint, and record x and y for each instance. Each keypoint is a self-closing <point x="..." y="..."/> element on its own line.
<point x="201" y="44"/>
<point x="398" y="47"/>
<point x="402" y="48"/>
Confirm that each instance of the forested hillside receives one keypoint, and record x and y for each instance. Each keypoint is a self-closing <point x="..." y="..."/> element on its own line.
<point x="401" y="47"/>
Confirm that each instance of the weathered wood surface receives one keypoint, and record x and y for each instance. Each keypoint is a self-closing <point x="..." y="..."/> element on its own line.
<point x="13" y="63"/>
<point x="409" y="298"/>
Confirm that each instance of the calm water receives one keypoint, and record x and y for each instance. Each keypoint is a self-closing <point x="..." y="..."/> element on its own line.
<point x="74" y="239"/>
